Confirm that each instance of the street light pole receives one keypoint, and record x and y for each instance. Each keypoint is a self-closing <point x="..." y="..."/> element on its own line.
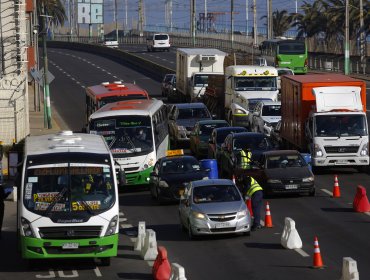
<point x="47" y="108"/>
<point x="232" y="24"/>
<point x="362" y="38"/>
<point x="192" y="20"/>
<point x="346" y="43"/>
<point x="115" y="18"/>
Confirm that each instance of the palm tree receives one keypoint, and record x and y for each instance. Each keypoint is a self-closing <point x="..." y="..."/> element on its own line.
<point x="281" y="22"/>
<point x="55" y="11"/>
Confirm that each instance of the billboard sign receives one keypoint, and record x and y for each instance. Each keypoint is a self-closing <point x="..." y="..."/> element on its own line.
<point x="90" y="11"/>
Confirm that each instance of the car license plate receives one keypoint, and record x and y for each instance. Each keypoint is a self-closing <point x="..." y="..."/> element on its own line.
<point x="291" y="187"/>
<point x="342" y="161"/>
<point x="70" y="245"/>
<point x="222" y="225"/>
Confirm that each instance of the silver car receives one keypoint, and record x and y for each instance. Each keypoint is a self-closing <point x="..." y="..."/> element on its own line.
<point x="213" y="206"/>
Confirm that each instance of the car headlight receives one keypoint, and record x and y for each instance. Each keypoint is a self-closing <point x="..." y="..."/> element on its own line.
<point x="151" y="162"/>
<point x="273" y="181"/>
<point x="365" y="150"/>
<point x="163" y="184"/>
<point x="112" y="226"/>
<point x="308" y="179"/>
<point x="240" y="111"/>
<point x="26" y="226"/>
<point x="198" y="215"/>
<point x="318" y="151"/>
<point x="242" y="214"/>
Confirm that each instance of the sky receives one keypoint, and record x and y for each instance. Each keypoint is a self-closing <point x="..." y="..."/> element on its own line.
<point x="154" y="11"/>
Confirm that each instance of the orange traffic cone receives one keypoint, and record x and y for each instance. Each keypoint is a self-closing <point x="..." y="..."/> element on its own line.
<point x="249" y="206"/>
<point x="268" y="218"/>
<point x="336" y="189"/>
<point x="317" y="260"/>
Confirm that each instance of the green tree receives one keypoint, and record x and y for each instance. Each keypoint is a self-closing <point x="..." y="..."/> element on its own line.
<point x="281" y="22"/>
<point x="55" y="11"/>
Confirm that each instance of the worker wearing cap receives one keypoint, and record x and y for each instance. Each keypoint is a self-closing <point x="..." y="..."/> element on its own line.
<point x="255" y="192"/>
<point x="246" y="158"/>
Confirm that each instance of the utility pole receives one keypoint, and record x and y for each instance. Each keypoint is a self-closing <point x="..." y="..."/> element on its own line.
<point x="254" y="23"/>
<point x="246" y="16"/>
<point x="269" y="19"/>
<point x="232" y="24"/>
<point x="126" y="24"/>
<point x="116" y="18"/>
<point x="141" y="17"/>
<point x="192" y="20"/>
<point x="47" y="108"/>
<point x="346" y="38"/>
<point x="362" y="38"/>
<point x="205" y="16"/>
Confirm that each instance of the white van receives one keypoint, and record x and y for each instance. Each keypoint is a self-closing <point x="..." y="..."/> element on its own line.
<point x="159" y="41"/>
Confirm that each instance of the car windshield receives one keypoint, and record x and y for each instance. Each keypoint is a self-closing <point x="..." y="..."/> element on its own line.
<point x="125" y="135"/>
<point x="206" y="129"/>
<point x="256" y="142"/>
<point x="68" y="188"/>
<point x="180" y="165"/>
<point x="271" y="110"/>
<point x="255" y="83"/>
<point x="193" y="113"/>
<point x="215" y="193"/>
<point x="283" y="161"/>
<point x="341" y="125"/>
<point x="200" y="80"/>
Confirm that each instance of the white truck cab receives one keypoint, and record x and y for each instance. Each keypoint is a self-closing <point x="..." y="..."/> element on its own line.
<point x="244" y="82"/>
<point x="337" y="128"/>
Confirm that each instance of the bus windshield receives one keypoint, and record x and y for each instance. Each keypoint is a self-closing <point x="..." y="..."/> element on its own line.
<point x="292" y="47"/>
<point x="125" y="135"/>
<point x="72" y="188"/>
<point x="255" y="83"/>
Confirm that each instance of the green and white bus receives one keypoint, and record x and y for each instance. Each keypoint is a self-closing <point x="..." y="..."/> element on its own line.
<point x="136" y="132"/>
<point x="286" y="53"/>
<point x="68" y="203"/>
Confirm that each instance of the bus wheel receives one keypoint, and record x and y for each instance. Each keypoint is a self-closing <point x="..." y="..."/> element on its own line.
<point x="105" y="261"/>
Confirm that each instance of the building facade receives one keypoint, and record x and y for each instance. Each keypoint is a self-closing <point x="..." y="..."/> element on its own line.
<point x="14" y="40"/>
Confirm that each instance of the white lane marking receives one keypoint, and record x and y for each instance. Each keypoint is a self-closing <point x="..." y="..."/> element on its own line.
<point x="121" y="214"/>
<point x="150" y="263"/>
<point x="367" y="213"/>
<point x="122" y="219"/>
<point x="97" y="272"/>
<point x="327" y="192"/>
<point x="73" y="275"/>
<point x="302" y="253"/>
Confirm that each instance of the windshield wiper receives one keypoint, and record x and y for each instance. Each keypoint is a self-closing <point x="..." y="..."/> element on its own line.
<point x="87" y="206"/>
<point x="57" y="198"/>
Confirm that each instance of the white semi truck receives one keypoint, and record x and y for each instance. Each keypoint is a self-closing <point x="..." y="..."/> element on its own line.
<point x="193" y="68"/>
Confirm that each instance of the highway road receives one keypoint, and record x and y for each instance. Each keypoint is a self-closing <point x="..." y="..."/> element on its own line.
<point x="341" y="232"/>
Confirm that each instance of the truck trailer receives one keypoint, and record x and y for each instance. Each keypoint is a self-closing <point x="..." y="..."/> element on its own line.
<point x="193" y="67"/>
<point x="325" y="115"/>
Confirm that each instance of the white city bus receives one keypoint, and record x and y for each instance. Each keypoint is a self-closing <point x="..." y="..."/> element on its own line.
<point x="68" y="204"/>
<point x="136" y="132"/>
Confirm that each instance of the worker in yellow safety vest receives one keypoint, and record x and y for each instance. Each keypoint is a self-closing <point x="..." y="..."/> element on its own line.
<point x="246" y="158"/>
<point x="255" y="192"/>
